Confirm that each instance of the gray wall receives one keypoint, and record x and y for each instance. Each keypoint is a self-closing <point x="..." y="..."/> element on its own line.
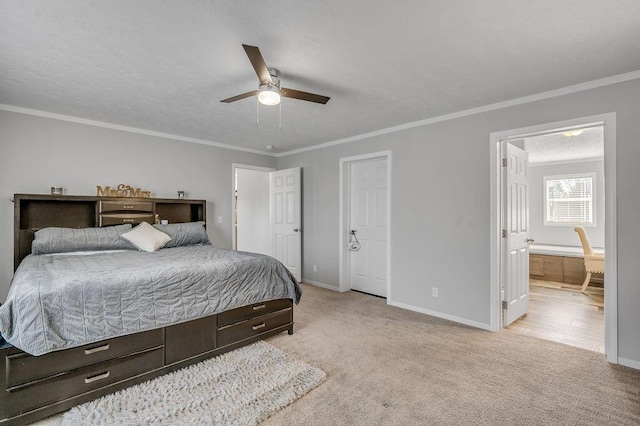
<point x="564" y="235"/>
<point x="440" y="205"/>
<point x="37" y="153"/>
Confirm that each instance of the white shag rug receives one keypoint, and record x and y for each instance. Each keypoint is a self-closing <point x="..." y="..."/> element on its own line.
<point x="242" y="387"/>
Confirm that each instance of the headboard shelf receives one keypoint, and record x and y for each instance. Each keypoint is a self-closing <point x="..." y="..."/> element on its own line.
<point x="36" y="211"/>
<point x="43" y="213"/>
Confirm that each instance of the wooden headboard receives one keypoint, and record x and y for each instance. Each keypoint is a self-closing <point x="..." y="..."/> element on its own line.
<point x="34" y="212"/>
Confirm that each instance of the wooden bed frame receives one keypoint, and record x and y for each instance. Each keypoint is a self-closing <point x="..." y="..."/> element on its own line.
<point x="34" y="387"/>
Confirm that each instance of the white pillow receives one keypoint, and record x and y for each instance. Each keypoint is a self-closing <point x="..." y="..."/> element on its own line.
<point x="147" y="238"/>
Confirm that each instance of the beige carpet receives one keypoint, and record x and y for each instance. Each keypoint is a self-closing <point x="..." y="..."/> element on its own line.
<point x="389" y="366"/>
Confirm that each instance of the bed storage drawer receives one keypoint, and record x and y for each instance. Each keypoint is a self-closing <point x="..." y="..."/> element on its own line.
<point x="125" y="205"/>
<point x="251" y="311"/>
<point x="124" y="218"/>
<point x="23" y="368"/>
<point x="62" y="386"/>
<point x="252" y="327"/>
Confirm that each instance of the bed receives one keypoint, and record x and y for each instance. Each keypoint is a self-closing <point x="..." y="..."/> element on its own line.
<point x="84" y="323"/>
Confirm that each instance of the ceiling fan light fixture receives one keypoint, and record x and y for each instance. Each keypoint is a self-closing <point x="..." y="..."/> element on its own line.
<point x="269" y="95"/>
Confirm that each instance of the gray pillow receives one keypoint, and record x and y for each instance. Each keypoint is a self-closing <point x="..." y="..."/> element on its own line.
<point x="64" y="240"/>
<point x="185" y="234"/>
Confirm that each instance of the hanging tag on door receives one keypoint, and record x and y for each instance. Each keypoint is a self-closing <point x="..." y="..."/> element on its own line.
<point x="353" y="244"/>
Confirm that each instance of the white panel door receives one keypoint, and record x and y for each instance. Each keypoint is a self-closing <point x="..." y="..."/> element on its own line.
<point x="368" y="217"/>
<point x="285" y="219"/>
<point x="516" y="225"/>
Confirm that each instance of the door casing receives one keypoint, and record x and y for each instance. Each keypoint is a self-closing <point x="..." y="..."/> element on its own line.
<point x="344" y="182"/>
<point x="496" y="139"/>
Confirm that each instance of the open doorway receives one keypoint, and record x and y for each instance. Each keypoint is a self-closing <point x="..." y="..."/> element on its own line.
<point x="566" y="191"/>
<point x="572" y="162"/>
<point x="267" y="213"/>
<point x="251" y="209"/>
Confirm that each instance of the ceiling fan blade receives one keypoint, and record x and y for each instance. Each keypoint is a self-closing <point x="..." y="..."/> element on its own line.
<point x="305" y="96"/>
<point x="258" y="63"/>
<point x="237" y="98"/>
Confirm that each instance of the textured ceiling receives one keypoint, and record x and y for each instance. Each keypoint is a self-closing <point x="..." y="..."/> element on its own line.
<point x="165" y="65"/>
<point x="558" y="147"/>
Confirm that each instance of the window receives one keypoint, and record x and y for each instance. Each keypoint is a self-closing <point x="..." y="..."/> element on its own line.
<point x="569" y="200"/>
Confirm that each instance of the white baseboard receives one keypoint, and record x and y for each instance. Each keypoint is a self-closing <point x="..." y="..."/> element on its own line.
<point x="319" y="284"/>
<point x="453" y="318"/>
<point x="629" y="363"/>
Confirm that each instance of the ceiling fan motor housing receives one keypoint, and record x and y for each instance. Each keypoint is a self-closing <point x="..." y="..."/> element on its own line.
<point x="269" y="92"/>
<point x="274" y="76"/>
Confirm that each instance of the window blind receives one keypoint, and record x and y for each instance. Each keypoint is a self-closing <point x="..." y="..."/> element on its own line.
<point x="569" y="199"/>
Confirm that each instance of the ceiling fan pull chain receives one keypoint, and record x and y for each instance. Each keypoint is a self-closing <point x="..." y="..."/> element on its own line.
<point x="257" y="113"/>
<point x="280" y="125"/>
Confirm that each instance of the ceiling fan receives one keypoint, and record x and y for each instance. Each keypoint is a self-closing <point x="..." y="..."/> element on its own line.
<point x="269" y="90"/>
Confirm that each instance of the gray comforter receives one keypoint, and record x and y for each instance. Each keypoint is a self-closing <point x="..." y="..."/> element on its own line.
<point x="61" y="301"/>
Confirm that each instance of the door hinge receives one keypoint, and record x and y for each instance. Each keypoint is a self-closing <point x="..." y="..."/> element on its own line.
<point x="504" y="233"/>
<point x="504" y="162"/>
<point x="505" y="304"/>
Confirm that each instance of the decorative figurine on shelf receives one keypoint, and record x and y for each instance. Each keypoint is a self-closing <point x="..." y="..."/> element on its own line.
<point x="122" y="190"/>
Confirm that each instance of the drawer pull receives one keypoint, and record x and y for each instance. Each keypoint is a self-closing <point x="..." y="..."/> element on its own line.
<point x="96" y="349"/>
<point x="96" y="377"/>
<point x="258" y="307"/>
<point x="128" y="207"/>
<point x="258" y="327"/>
<point x="128" y="220"/>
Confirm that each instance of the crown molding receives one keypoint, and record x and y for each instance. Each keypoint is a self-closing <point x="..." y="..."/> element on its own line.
<point x="72" y="119"/>
<point x="599" y="158"/>
<point x="620" y="78"/>
<point x="633" y="75"/>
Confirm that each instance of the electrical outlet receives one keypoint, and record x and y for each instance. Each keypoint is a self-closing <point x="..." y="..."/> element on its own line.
<point x="219" y="219"/>
<point x="315" y="268"/>
<point x="434" y="292"/>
